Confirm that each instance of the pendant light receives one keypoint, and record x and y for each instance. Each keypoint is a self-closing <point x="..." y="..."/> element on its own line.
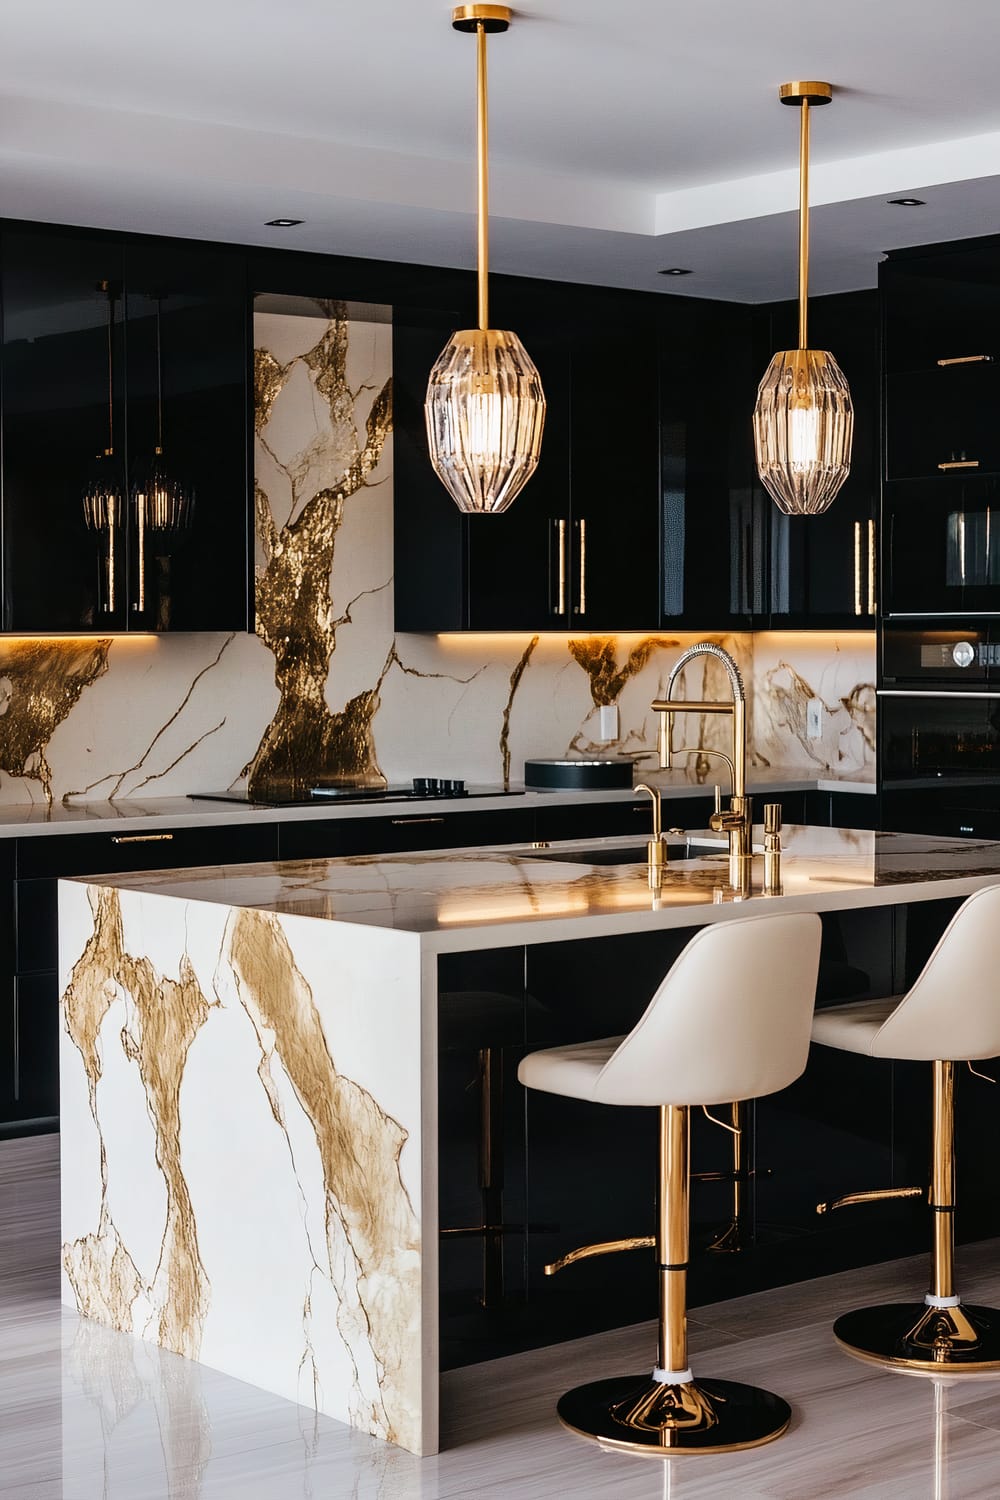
<point x="803" y="421"/>
<point x="485" y="407"/>
<point x="162" y="503"/>
<point x="102" y="496"/>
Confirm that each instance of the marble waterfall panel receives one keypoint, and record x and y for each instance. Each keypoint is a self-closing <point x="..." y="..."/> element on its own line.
<point x="232" y="1226"/>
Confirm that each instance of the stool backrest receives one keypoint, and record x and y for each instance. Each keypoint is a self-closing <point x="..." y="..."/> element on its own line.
<point x="952" y="1012"/>
<point x="731" y="1019"/>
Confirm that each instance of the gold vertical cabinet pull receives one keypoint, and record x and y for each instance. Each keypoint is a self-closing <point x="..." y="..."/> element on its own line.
<point x="141" y="838"/>
<point x="581" y="608"/>
<point x="864" y="567"/>
<point x="141" y="544"/>
<point x="561" y="566"/>
<point x="967" y="359"/>
<point x="960" y="463"/>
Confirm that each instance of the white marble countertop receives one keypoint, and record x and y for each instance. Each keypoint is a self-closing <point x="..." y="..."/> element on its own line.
<point x="20" y="821"/>
<point x="457" y="900"/>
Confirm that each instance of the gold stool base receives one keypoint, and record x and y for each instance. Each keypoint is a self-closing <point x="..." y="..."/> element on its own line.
<point x="636" y="1414"/>
<point x="913" y="1336"/>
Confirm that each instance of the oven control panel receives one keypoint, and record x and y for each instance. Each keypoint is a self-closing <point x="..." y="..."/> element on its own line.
<point x="932" y="657"/>
<point x="962" y="654"/>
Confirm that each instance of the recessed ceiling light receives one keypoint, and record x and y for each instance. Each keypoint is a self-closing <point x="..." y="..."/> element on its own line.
<point x="907" y="202"/>
<point x="675" y="271"/>
<point x="283" y="223"/>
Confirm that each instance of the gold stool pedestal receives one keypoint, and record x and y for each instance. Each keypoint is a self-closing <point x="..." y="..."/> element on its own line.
<point x="913" y="1336"/>
<point x="651" y="1413"/>
<point x="636" y="1414"/>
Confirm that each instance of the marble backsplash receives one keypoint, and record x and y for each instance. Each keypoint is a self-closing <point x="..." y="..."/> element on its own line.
<point x="326" y="688"/>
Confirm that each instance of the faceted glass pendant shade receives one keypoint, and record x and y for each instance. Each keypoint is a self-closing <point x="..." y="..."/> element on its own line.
<point x="485" y="410"/>
<point x="803" y="424"/>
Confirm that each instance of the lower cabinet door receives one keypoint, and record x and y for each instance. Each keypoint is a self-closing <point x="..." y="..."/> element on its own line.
<point x="36" y="1046"/>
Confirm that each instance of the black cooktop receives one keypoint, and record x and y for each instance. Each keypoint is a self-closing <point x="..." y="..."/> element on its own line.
<point x="422" y="789"/>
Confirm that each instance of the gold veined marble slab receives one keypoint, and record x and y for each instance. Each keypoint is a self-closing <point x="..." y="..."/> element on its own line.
<point x="448" y="896"/>
<point x="241" y="1151"/>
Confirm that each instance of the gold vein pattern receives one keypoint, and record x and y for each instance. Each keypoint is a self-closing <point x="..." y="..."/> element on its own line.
<point x="295" y="618"/>
<point x="343" y="1271"/>
<point x="40" y="683"/>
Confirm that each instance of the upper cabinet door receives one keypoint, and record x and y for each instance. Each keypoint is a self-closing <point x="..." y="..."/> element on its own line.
<point x="712" y="562"/>
<point x="821" y="570"/>
<point x="65" y="563"/>
<point x="942" y="385"/>
<point x="113" y="349"/>
<point x="614" y="530"/>
<point x="521" y="563"/>
<point x="187" y="340"/>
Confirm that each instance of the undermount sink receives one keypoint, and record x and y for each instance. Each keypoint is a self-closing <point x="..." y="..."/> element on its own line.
<point x="633" y="854"/>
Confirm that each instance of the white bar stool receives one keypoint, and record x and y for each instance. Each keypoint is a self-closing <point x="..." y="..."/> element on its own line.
<point x="729" y="1021"/>
<point x="951" y="1014"/>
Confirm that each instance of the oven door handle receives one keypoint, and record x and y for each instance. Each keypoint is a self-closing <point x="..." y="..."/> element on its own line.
<point x="935" y="693"/>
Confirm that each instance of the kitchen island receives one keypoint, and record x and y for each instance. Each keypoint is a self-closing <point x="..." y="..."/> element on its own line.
<point x="249" y="1080"/>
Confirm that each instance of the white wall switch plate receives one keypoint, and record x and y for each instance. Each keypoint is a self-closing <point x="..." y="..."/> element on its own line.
<point x="608" y="719"/>
<point x="814" y="718"/>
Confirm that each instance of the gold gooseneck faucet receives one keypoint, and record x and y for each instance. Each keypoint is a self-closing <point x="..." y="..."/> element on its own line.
<point x="736" y="819"/>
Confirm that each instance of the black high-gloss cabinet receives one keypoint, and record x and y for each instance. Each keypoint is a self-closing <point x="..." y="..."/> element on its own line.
<point x="187" y="333"/>
<point x="942" y="382"/>
<point x="92" y="324"/>
<point x="63" y="407"/>
<point x="941" y="311"/>
<point x="579" y="547"/>
<point x="821" y="571"/>
<point x="712" y="520"/>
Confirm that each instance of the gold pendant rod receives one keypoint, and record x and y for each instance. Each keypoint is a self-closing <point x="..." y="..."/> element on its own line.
<point x="483" y="236"/>
<point x="804" y="225"/>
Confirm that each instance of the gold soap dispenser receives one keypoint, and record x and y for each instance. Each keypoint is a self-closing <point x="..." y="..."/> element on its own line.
<point x="772" y="848"/>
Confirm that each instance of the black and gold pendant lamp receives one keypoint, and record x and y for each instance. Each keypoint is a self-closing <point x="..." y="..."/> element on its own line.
<point x="163" y="502"/>
<point x="803" y="421"/>
<point x="485" y="407"/>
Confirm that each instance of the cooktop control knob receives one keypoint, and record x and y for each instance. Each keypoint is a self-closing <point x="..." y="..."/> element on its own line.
<point x="963" y="653"/>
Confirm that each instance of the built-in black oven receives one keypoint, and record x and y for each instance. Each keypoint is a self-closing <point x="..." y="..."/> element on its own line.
<point x="941" y="546"/>
<point x="939" y="728"/>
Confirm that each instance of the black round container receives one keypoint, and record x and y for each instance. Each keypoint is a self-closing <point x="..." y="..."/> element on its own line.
<point x="578" y="775"/>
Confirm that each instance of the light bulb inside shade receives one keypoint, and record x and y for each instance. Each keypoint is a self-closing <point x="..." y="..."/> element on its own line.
<point x="803" y="428"/>
<point x="485" y="411"/>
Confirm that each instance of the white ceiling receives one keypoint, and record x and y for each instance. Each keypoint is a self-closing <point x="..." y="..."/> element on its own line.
<point x="625" y="136"/>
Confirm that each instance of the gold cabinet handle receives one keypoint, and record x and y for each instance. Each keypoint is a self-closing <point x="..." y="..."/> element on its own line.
<point x="141" y="838"/>
<point x="960" y="463"/>
<point x="864" y="567"/>
<point x="581" y="608"/>
<point x="405" y="822"/>
<point x="561" y="593"/>
<point x="967" y="359"/>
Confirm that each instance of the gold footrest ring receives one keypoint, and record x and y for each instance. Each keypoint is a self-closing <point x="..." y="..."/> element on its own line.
<point x="914" y="1336"/>
<point x="640" y="1414"/>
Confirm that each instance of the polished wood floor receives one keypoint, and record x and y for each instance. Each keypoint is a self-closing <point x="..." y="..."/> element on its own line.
<point x="86" y="1414"/>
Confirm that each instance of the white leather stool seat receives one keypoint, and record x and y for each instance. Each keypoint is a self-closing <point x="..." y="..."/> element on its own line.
<point x="730" y="1020"/>
<point x="853" y="1027"/>
<point x="952" y="1011"/>
<point x="572" y="1071"/>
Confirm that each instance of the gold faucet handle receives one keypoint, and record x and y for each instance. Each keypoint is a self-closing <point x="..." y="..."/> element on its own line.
<point x="772" y="818"/>
<point x="725" y="819"/>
